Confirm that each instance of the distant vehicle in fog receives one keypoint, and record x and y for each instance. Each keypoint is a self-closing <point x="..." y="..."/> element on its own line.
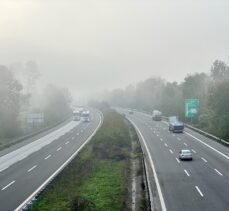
<point x="157" y="115"/>
<point x="85" y="116"/>
<point x="131" y="112"/>
<point x="76" y="115"/>
<point x="175" y="125"/>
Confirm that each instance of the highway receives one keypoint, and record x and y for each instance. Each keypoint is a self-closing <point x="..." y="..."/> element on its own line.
<point x="25" y="167"/>
<point x="201" y="184"/>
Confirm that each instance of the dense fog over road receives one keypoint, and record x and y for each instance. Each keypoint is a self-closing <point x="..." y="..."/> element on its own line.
<point x="90" y="46"/>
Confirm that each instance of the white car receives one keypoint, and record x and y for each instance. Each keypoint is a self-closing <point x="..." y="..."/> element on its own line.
<point x="185" y="154"/>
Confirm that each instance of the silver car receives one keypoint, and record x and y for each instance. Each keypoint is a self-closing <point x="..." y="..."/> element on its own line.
<point x="185" y="154"/>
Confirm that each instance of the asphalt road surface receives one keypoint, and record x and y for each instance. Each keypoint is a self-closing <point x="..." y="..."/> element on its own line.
<point x="198" y="185"/>
<point x="25" y="168"/>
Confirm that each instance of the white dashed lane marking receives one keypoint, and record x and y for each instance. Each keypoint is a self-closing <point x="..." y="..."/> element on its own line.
<point x="67" y="142"/>
<point x="48" y="157"/>
<point x="185" y="144"/>
<point x="59" y="149"/>
<point x="204" y="159"/>
<point x="218" y="172"/>
<point x="32" y="168"/>
<point x="11" y="183"/>
<point x="171" y="151"/>
<point x="199" y="191"/>
<point x="178" y="161"/>
<point x="193" y="150"/>
<point x="186" y="172"/>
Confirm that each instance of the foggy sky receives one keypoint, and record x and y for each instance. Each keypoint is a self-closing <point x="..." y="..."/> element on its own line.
<point x="91" y="45"/>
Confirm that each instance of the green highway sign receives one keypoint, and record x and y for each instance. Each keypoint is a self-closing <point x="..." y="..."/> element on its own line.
<point x="191" y="107"/>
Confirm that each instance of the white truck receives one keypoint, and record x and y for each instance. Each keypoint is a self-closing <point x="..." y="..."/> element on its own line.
<point x="86" y="116"/>
<point x="76" y="115"/>
<point x="157" y="116"/>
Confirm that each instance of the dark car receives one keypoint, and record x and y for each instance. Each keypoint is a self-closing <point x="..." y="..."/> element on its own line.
<point x="175" y="125"/>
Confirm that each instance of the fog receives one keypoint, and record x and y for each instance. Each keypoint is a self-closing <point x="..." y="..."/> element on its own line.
<point x="90" y="46"/>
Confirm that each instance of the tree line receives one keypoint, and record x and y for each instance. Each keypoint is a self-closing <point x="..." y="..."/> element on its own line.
<point x="212" y="90"/>
<point x="18" y="97"/>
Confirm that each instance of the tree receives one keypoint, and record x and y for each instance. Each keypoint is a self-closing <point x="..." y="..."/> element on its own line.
<point x="171" y="100"/>
<point x="218" y="102"/>
<point x="219" y="70"/>
<point x="10" y="101"/>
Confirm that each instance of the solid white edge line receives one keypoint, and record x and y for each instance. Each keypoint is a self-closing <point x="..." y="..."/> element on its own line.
<point x="3" y="169"/>
<point x="218" y="172"/>
<point x="207" y="145"/>
<point x="204" y="159"/>
<point x="186" y="172"/>
<point x="20" y="207"/>
<point x="153" y="168"/>
<point x="11" y="183"/>
<point x="199" y="191"/>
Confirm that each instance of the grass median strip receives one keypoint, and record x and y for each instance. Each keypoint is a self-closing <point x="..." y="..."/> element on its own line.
<point x="98" y="178"/>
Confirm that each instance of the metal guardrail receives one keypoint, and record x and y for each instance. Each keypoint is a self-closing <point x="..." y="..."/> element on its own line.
<point x="207" y="134"/>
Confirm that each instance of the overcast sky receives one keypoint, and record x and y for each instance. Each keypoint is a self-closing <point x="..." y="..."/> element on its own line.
<point x="91" y="45"/>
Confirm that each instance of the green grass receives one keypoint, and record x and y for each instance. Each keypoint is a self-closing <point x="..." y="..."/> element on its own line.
<point x="105" y="187"/>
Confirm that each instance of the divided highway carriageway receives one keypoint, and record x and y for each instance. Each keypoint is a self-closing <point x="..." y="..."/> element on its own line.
<point x="198" y="185"/>
<point x="25" y="168"/>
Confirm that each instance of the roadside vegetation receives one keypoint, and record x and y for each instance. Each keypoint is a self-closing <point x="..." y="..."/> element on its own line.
<point x="212" y="90"/>
<point x="99" y="178"/>
<point x="20" y="100"/>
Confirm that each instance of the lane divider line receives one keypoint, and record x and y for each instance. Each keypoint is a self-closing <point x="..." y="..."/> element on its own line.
<point x="218" y="172"/>
<point x="32" y="168"/>
<point x="48" y="157"/>
<point x="204" y="159"/>
<point x="163" y="207"/>
<point x="67" y="142"/>
<point x="166" y="144"/>
<point x="178" y="161"/>
<point x="199" y="191"/>
<point x="186" y="172"/>
<point x="185" y="144"/>
<point x="193" y="150"/>
<point x="171" y="151"/>
<point x="11" y="183"/>
<point x="59" y="149"/>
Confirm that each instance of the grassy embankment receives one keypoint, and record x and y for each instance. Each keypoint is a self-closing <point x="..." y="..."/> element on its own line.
<point x="97" y="179"/>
